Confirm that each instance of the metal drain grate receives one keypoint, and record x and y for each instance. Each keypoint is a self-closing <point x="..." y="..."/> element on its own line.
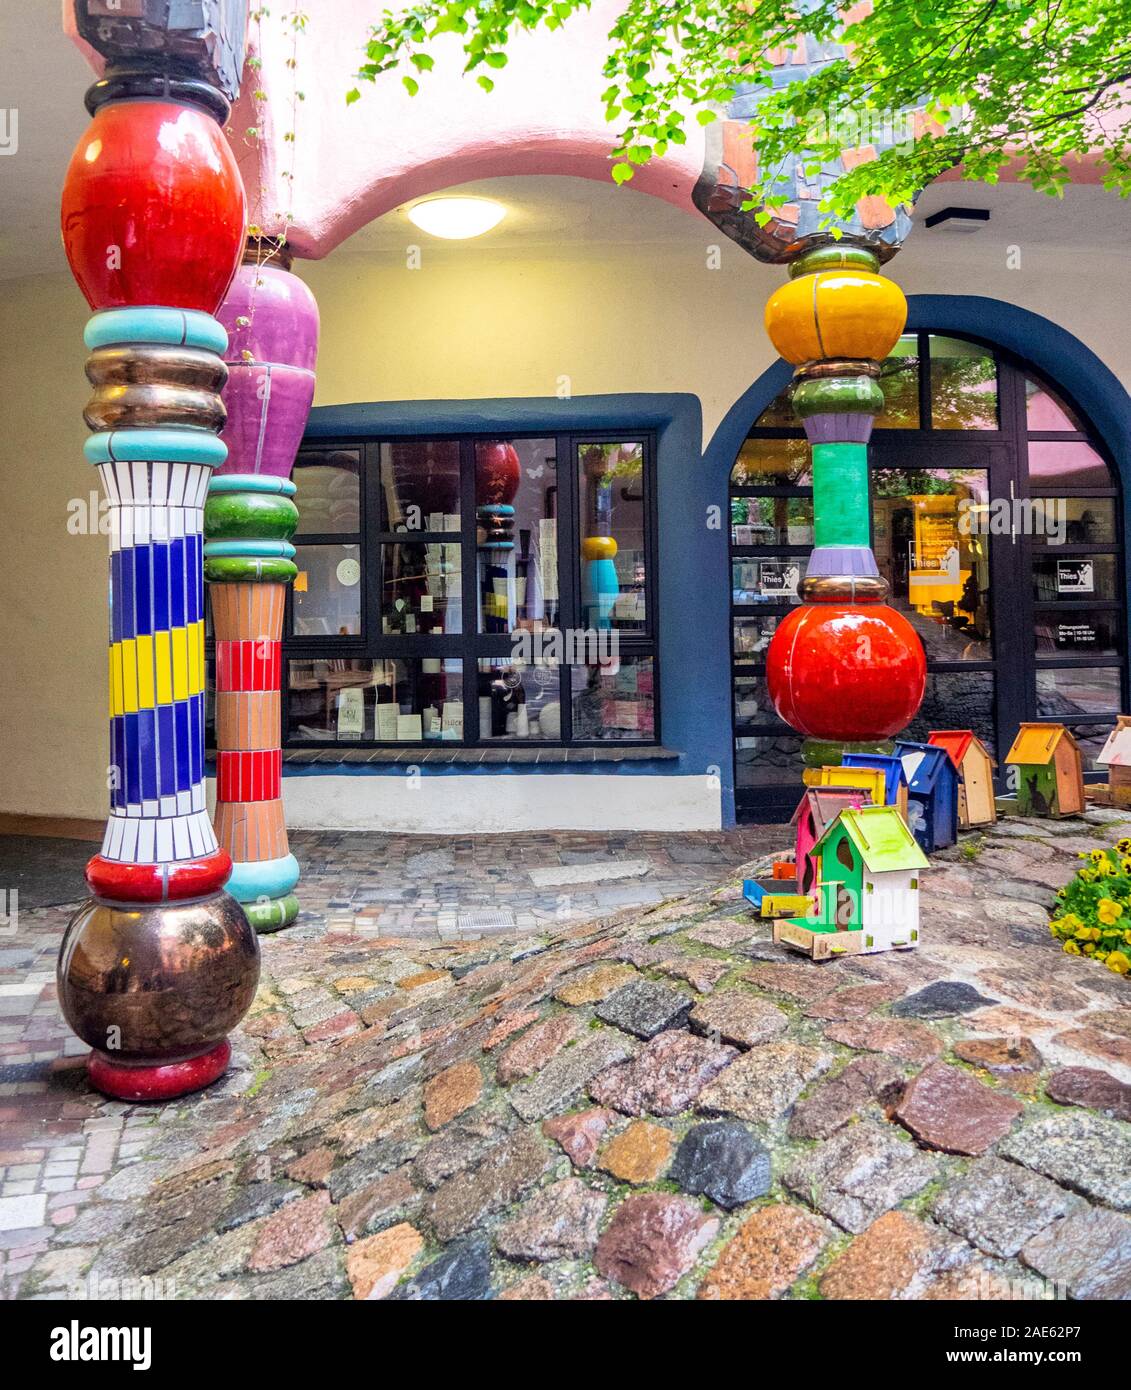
<point x="483" y="919"/>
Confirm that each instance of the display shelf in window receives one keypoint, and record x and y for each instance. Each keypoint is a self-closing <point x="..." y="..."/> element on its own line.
<point x="421" y="588"/>
<point x="382" y="701"/>
<point x="518" y="701"/>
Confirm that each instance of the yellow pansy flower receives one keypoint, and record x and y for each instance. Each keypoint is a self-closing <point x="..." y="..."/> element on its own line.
<point x="1119" y="962"/>
<point x="1072" y="948"/>
<point x="1109" y="912"/>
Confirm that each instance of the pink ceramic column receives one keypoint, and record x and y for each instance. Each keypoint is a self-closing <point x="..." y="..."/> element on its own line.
<point x="272" y="323"/>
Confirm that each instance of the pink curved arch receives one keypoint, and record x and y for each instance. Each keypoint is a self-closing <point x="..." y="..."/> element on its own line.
<point x="354" y="163"/>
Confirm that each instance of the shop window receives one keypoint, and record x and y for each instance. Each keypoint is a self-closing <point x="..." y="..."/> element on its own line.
<point x="474" y="591"/>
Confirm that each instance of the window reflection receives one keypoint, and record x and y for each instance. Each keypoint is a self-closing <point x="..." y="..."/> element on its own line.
<point x="963" y="385"/>
<point x="936" y="564"/>
<point x="1073" y="690"/>
<point x="327" y="591"/>
<point x="328" y="492"/>
<point x="771" y="521"/>
<point x="1066" y="463"/>
<point x="773" y="463"/>
<point x="899" y="381"/>
<point x="613" y="702"/>
<point x="1044" y="409"/>
<point x="420" y="485"/>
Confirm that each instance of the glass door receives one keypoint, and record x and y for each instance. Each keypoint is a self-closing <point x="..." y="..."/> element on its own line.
<point x="951" y="575"/>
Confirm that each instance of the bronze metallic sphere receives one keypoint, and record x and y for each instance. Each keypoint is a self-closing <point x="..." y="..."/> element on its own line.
<point x="157" y="983"/>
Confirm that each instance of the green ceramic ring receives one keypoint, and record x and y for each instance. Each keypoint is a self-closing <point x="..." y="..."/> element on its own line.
<point x="837" y="395"/>
<point x="273" y="914"/>
<point x="244" y="515"/>
<point x="237" y="569"/>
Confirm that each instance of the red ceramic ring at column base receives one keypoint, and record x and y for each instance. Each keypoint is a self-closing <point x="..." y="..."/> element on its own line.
<point x="119" y="881"/>
<point x="157" y="1081"/>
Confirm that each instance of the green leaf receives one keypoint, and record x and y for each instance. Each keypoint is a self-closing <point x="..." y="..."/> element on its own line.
<point x="622" y="172"/>
<point x="352" y="95"/>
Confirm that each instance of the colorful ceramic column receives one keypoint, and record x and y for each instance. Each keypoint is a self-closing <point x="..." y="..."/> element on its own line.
<point x="160" y="964"/>
<point x="272" y="323"/>
<point x="843" y="668"/>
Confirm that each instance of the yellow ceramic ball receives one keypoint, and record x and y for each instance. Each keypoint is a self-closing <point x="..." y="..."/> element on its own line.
<point x="598" y="548"/>
<point x="836" y="313"/>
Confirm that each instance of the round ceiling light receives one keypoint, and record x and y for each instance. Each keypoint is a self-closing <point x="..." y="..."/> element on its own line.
<point x="456" y="219"/>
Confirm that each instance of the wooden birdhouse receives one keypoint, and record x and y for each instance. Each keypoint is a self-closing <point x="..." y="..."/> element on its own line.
<point x="870" y="779"/>
<point x="932" y="794"/>
<point x="1116" y="757"/>
<point x="975" y="770"/>
<point x="869" y="867"/>
<point x="816" y="811"/>
<point x="895" y="779"/>
<point x="1050" y="775"/>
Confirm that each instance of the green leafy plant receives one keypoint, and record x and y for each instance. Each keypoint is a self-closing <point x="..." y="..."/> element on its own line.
<point x="982" y="84"/>
<point x="1093" y="916"/>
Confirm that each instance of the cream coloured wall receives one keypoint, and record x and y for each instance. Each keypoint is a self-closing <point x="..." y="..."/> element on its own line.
<point x="611" y="316"/>
<point x="53" y="616"/>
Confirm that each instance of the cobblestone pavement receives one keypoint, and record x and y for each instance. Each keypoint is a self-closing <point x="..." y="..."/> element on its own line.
<point x="657" y="1103"/>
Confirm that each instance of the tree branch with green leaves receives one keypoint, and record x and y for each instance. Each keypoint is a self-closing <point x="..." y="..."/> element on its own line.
<point x="1036" y="84"/>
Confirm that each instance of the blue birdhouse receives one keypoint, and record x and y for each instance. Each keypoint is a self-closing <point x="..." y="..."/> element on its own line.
<point x="895" y="780"/>
<point x="932" y="794"/>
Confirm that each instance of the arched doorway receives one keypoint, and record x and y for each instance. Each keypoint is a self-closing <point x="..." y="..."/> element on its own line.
<point x="996" y="521"/>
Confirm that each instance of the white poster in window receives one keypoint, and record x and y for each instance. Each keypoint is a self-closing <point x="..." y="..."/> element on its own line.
<point x="548" y="557"/>
<point x="1075" y="577"/>
<point x="779" y="578"/>
<point x="410" y="726"/>
<point x="351" y="712"/>
<point x="386" y="722"/>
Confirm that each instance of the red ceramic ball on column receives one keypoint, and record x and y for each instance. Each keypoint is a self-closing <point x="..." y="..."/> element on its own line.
<point x="846" y="673"/>
<point x="153" y="208"/>
<point x="497" y="474"/>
